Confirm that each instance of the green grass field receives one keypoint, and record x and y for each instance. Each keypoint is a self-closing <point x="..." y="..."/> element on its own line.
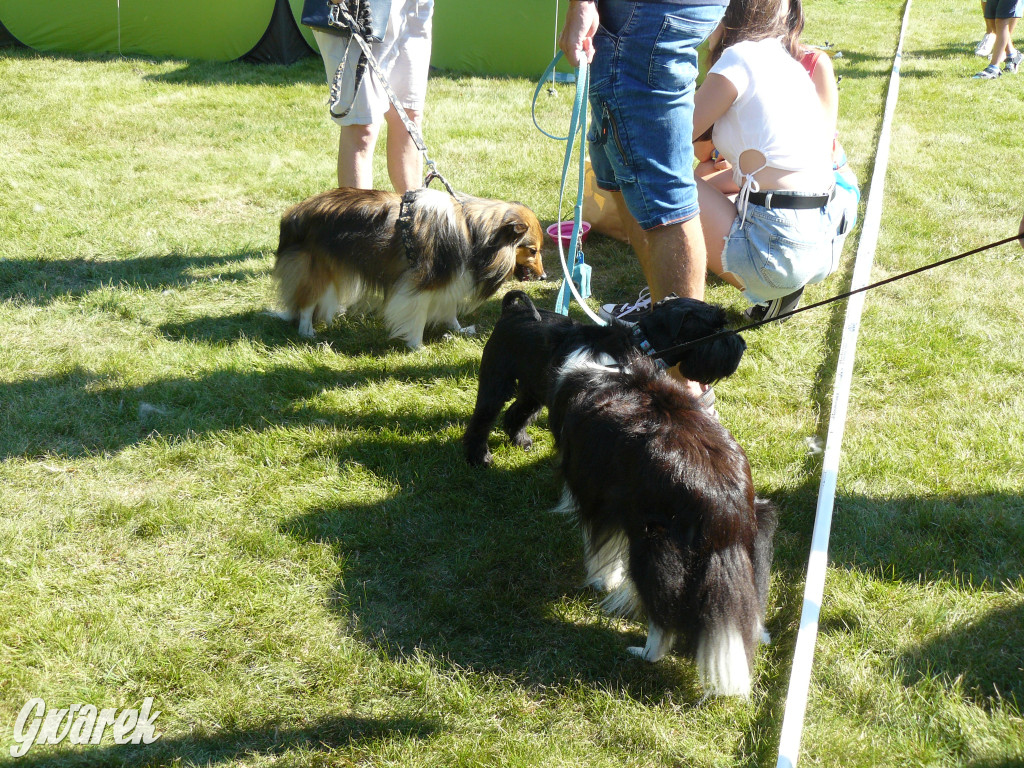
<point x="279" y="541"/>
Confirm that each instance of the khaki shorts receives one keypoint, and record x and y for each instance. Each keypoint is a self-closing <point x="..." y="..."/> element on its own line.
<point x="403" y="55"/>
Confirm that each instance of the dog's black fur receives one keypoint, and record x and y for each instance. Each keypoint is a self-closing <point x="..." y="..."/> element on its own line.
<point x="661" y="489"/>
<point x="528" y="345"/>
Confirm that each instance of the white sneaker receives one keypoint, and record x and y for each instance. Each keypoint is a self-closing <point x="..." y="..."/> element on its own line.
<point x="984" y="48"/>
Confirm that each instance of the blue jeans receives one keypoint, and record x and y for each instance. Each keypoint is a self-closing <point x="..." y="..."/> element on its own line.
<point x="642" y="82"/>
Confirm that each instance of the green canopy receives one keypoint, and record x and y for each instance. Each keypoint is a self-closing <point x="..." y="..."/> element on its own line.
<point x="219" y="30"/>
<point x="512" y="38"/>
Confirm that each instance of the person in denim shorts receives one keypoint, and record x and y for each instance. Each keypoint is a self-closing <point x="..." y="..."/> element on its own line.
<point x="1003" y="15"/>
<point x="785" y="228"/>
<point x="643" y="58"/>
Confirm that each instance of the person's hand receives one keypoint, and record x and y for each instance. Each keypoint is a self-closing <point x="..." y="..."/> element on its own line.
<point x="577" y="38"/>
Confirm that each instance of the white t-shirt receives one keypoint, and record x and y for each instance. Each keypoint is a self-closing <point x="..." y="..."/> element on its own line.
<point x="777" y="112"/>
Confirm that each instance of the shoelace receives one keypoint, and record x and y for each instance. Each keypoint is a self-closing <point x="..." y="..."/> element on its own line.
<point x="643" y="299"/>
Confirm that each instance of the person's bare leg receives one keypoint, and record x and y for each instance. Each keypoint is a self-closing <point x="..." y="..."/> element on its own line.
<point x="673" y="260"/>
<point x="1002" y="42"/>
<point x="667" y="257"/>
<point x="1011" y="25"/>
<point x="405" y="162"/>
<point x="355" y="155"/>
<point x="717" y="214"/>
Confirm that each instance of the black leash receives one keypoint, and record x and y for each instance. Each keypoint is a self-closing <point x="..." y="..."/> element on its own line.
<point x="841" y="296"/>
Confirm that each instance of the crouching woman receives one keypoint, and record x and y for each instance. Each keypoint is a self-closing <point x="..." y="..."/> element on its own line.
<point x="784" y="230"/>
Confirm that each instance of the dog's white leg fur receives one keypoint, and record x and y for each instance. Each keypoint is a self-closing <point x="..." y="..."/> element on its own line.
<point x="722" y="662"/>
<point x="659" y="642"/>
<point x="306" y="321"/>
<point x="328" y="306"/>
<point x="406" y="312"/>
<point x="606" y="566"/>
<point x="566" y="504"/>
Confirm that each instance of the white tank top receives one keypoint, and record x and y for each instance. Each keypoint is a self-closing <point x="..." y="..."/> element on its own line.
<point x="776" y="112"/>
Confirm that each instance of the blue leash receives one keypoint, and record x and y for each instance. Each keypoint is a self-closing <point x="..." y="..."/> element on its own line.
<point x="577" y="280"/>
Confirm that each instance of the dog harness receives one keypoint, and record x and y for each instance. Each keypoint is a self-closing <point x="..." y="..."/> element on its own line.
<point x="404" y="227"/>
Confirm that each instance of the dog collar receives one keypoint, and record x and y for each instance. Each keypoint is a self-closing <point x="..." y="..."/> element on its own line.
<point x="641" y="343"/>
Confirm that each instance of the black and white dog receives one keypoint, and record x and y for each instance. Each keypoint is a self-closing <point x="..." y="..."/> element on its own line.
<point x="662" y="491"/>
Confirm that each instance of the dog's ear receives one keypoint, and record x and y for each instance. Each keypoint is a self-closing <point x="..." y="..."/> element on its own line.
<point x="674" y="321"/>
<point x="513" y="225"/>
<point x="710" y="361"/>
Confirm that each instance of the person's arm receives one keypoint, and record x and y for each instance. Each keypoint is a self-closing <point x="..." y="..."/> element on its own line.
<point x="712" y="100"/>
<point x="824" y="79"/>
<point x="577" y="38"/>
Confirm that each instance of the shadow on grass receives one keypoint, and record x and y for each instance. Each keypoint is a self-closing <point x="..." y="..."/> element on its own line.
<point x="42" y="281"/>
<point x="271" y="740"/>
<point x="79" y="412"/>
<point x="471" y="566"/>
<point x="983" y="655"/>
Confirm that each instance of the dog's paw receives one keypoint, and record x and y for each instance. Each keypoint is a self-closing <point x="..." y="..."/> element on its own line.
<point x="468" y="330"/>
<point x="478" y="458"/>
<point x="307" y="332"/>
<point x="643" y="653"/>
<point x="522" y="440"/>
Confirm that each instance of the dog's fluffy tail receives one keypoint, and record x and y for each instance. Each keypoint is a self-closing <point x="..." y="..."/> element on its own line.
<point x="518" y="301"/>
<point x="731" y="624"/>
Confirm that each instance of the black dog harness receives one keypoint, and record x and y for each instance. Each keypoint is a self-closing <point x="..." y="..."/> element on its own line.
<point x="404" y="226"/>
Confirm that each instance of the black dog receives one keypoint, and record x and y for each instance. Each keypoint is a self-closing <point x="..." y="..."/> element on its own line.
<point x="528" y="345"/>
<point x="662" y="491"/>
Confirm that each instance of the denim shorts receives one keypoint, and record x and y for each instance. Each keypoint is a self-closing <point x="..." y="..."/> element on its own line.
<point x="1003" y="9"/>
<point x="777" y="251"/>
<point x="642" y="82"/>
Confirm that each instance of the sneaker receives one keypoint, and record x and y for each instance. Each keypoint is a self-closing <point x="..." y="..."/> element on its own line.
<point x="627" y="313"/>
<point x="1013" y="63"/>
<point x="984" y="48"/>
<point x="775" y="307"/>
<point x="991" y="72"/>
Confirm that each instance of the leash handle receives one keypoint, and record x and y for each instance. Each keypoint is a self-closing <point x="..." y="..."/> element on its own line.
<point x="577" y="125"/>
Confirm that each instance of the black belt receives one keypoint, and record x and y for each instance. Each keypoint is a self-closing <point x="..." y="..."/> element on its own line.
<point x="785" y="198"/>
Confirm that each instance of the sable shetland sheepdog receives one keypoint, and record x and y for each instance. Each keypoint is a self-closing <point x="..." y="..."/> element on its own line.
<point x="419" y="258"/>
<point x="661" y="490"/>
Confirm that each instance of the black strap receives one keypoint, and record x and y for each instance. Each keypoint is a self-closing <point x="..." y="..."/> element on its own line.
<point x="784" y="198"/>
<point x="404" y="226"/>
<point x="360" y="29"/>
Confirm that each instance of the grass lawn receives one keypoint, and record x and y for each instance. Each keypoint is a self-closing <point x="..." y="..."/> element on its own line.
<point x="279" y="541"/>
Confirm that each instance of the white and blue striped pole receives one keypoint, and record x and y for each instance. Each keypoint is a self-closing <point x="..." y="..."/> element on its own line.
<point x="817" y="565"/>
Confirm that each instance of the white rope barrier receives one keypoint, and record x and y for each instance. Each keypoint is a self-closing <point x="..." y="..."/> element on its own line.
<point x="803" y="656"/>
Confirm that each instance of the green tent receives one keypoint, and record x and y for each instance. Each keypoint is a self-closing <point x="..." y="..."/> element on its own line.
<point x="469" y="35"/>
<point x="218" y="30"/>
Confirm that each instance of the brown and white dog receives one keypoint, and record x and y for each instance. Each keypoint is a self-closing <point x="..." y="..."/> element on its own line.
<point x="418" y="258"/>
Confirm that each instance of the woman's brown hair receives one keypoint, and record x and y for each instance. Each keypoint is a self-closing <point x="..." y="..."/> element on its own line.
<point x="759" y="20"/>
